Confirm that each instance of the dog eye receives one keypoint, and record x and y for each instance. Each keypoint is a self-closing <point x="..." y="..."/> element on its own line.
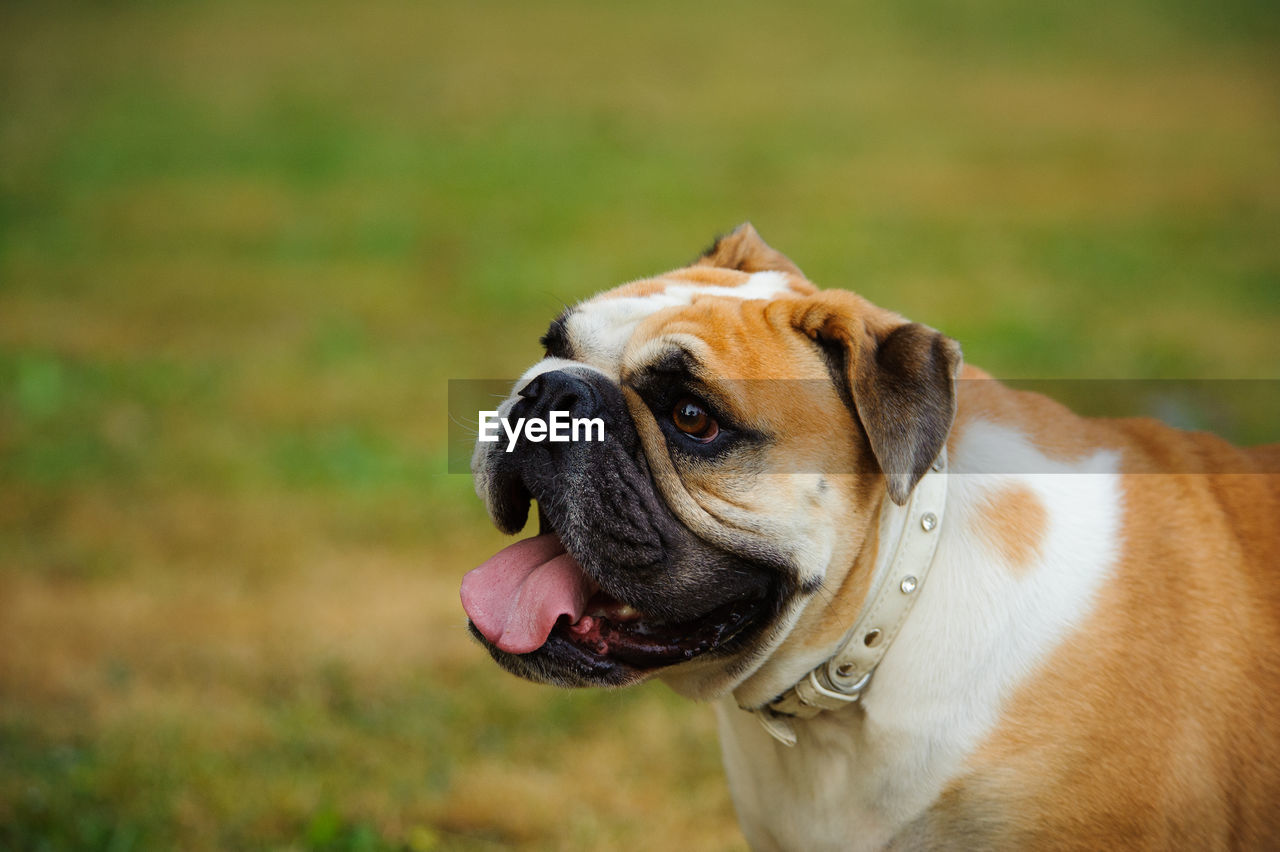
<point x="691" y="418"/>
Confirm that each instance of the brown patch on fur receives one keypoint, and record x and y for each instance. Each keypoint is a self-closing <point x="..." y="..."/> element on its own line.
<point x="1015" y="521"/>
<point x="635" y="289"/>
<point x="709" y="276"/>
<point x="745" y="340"/>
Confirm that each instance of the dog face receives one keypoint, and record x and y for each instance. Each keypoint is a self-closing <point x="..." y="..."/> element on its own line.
<point x="752" y="427"/>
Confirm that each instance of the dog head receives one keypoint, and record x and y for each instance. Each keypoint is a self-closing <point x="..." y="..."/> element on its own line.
<point x="721" y="526"/>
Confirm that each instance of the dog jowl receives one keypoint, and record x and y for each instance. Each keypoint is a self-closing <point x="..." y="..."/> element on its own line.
<point x="933" y="612"/>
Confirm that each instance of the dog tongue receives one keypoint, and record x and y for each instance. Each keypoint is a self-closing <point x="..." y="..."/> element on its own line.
<point x="517" y="595"/>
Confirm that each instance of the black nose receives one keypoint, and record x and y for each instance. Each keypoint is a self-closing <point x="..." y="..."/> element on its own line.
<point x="560" y="390"/>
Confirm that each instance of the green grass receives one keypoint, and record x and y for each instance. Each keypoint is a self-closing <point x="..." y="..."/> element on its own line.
<point x="244" y="247"/>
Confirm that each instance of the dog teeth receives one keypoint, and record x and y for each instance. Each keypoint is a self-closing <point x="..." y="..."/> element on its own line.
<point x="614" y="612"/>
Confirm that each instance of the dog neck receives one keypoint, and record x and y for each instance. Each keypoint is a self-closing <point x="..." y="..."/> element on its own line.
<point x="840" y="680"/>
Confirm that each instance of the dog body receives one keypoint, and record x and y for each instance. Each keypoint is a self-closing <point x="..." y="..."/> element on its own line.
<point x="1092" y="662"/>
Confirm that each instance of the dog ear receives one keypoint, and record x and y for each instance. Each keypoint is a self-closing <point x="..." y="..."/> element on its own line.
<point x="898" y="376"/>
<point x="744" y="250"/>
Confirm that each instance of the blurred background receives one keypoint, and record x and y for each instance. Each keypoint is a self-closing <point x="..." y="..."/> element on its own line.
<point x="244" y="246"/>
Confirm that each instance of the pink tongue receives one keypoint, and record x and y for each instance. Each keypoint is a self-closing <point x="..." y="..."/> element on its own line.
<point x="515" y="597"/>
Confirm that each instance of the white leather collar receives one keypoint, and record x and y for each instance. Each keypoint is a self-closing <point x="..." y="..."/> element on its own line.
<point x="841" y="680"/>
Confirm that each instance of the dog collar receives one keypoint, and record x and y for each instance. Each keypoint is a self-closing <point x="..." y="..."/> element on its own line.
<point x="841" y="680"/>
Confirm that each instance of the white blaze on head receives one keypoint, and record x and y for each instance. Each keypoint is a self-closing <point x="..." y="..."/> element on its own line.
<point x="600" y="328"/>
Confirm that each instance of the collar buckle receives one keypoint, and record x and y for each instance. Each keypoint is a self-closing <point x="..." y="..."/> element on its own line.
<point x="824" y="690"/>
<point x="847" y="687"/>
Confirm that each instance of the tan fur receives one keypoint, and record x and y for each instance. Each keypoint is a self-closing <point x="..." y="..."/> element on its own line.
<point x="1014" y="520"/>
<point x="706" y="276"/>
<point x="638" y="289"/>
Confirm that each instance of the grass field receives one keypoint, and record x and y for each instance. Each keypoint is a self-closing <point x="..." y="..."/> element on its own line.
<point x="244" y="246"/>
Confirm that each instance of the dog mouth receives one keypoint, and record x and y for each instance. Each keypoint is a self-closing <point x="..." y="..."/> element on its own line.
<point x="619" y="632"/>
<point x="534" y="595"/>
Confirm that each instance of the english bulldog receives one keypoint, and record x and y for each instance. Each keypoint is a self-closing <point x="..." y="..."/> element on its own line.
<point x="933" y="612"/>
